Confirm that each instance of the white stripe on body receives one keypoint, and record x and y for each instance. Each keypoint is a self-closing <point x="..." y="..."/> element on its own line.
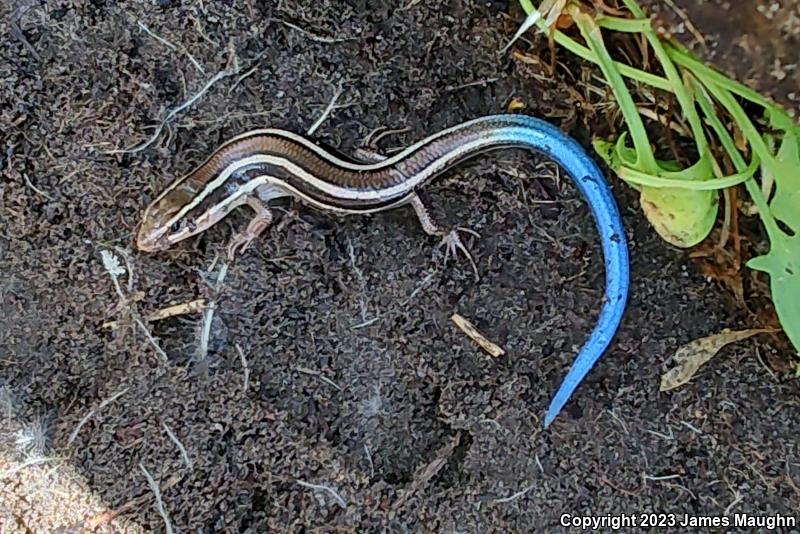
<point x="338" y="192"/>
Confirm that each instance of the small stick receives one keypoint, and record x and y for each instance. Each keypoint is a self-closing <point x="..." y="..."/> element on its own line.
<point x="327" y="111"/>
<point x="366" y="323"/>
<point x="151" y="339"/>
<point x="424" y="474"/>
<point x="223" y="272"/>
<point x="313" y="36"/>
<point x="483" y="83"/>
<point x="665" y="477"/>
<point x="318" y="375"/>
<point x="159" y="502"/>
<point x="36" y="189"/>
<point x="241" y="78"/>
<point x="205" y="331"/>
<point x="661" y="435"/>
<point x="157" y="37"/>
<point x="526" y="25"/>
<point x="539" y="464"/>
<point x="472" y="332"/>
<point x="115" y="270"/>
<point x="246" y="368"/>
<point x="232" y="69"/>
<point x="208" y="314"/>
<point x="419" y="288"/>
<point x="184" y="454"/>
<point x="106" y="517"/>
<point x="689" y="25"/>
<point x="409" y="5"/>
<point x="171" y="46"/>
<point x="663" y="120"/>
<point x="193" y="306"/>
<point x="632" y="493"/>
<point x="515" y="496"/>
<point x="318" y="487"/>
<point x="88" y="416"/>
<point x="16" y="31"/>
<point x="692" y="427"/>
<point x="737" y="498"/>
<point x="369" y="459"/>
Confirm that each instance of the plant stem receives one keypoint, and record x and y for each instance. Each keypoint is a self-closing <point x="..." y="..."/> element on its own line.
<point x="645" y="159"/>
<point x="639" y="178"/>
<point x="729" y="145"/>
<point x="581" y="51"/>
<point x="685" y="100"/>
<point x="684" y="58"/>
<point x="619" y="24"/>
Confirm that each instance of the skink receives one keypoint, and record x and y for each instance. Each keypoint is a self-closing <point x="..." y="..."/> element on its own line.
<point x="262" y="165"/>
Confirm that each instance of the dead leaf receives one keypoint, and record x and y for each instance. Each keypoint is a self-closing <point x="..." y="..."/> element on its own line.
<point x="564" y="22"/>
<point x="690" y="357"/>
<point x="516" y="104"/>
<point x="528" y="59"/>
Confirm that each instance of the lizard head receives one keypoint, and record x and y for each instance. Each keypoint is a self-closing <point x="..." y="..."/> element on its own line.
<point x="169" y="219"/>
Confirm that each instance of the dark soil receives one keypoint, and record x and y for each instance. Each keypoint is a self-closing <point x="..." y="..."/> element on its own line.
<point x="357" y="378"/>
<point x="755" y="41"/>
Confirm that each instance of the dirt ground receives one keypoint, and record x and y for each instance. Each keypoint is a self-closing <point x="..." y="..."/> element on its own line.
<point x="755" y="41"/>
<point x="332" y="360"/>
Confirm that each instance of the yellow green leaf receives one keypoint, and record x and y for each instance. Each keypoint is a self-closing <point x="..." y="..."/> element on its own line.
<point x="681" y="217"/>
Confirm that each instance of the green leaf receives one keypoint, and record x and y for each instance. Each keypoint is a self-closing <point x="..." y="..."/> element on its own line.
<point x="685" y="212"/>
<point x="636" y="178"/>
<point x="783" y="265"/>
<point x="785" y="205"/>
<point x="783" y="260"/>
<point x="616" y="155"/>
<point x="682" y="217"/>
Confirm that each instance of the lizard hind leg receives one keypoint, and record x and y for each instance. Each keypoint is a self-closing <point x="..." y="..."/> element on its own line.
<point x="450" y="239"/>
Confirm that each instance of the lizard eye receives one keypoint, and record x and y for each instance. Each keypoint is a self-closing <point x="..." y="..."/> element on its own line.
<point x="176" y="226"/>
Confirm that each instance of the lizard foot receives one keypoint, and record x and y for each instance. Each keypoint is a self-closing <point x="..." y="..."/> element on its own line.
<point x="453" y="245"/>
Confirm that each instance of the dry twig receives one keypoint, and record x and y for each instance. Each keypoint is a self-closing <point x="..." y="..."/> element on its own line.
<point x="159" y="502"/>
<point x="91" y="413"/>
<point x="319" y="487"/>
<point x="472" y="332"/>
<point x="181" y="448"/>
<point x="115" y="270"/>
<point x="231" y="69"/>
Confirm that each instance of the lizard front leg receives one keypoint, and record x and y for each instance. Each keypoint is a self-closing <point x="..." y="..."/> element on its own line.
<point x="263" y="218"/>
